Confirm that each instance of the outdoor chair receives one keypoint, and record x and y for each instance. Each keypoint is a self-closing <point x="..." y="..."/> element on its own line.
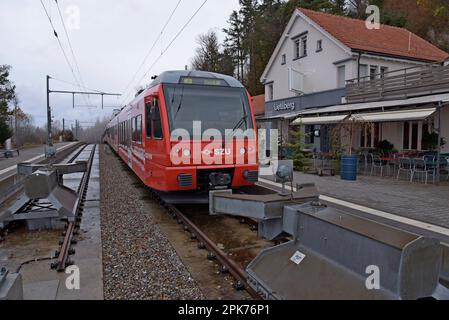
<point x="405" y="164"/>
<point x="377" y="163"/>
<point x="446" y="166"/>
<point x="366" y="160"/>
<point x="420" y="166"/>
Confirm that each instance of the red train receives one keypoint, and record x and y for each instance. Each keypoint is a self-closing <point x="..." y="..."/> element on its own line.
<point x="188" y="133"/>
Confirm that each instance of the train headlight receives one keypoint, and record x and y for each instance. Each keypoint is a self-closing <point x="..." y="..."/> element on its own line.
<point x="242" y="151"/>
<point x="186" y="153"/>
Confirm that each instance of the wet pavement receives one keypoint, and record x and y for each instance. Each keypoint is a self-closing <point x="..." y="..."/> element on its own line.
<point x="426" y="203"/>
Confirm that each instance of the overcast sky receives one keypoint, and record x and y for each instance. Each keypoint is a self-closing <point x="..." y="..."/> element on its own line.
<point x="112" y="40"/>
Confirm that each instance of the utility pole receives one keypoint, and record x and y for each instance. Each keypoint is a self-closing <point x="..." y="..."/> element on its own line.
<point x="16" y="131"/>
<point x="439" y="142"/>
<point x="50" y="150"/>
<point x="63" y="129"/>
<point x="76" y="129"/>
<point x="49" y="136"/>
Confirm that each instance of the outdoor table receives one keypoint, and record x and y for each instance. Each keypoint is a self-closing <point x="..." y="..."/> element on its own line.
<point x="390" y="159"/>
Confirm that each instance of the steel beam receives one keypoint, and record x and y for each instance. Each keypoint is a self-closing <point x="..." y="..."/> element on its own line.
<point x="336" y="255"/>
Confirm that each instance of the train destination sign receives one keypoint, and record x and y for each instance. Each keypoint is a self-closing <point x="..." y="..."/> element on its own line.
<point x="204" y="81"/>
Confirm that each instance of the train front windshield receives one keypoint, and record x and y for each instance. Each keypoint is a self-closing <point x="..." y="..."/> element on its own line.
<point x="220" y="108"/>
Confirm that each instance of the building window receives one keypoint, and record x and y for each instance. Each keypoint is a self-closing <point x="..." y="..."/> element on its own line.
<point x="406" y="137"/>
<point x="270" y="92"/>
<point x="363" y="72"/>
<point x="383" y="72"/>
<point x="341" y="77"/>
<point x="411" y="134"/>
<point x="415" y="129"/>
<point x="373" y="72"/>
<point x="304" y="46"/>
<point x="319" y="45"/>
<point x="297" y="49"/>
<point x="300" y="47"/>
<point x="284" y="59"/>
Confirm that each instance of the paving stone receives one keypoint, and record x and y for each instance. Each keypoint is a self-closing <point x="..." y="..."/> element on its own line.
<point x="426" y="203"/>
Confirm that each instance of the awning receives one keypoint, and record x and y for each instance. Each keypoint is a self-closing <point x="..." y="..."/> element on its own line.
<point x="402" y="115"/>
<point x="354" y="107"/>
<point x="285" y="116"/>
<point x="319" y="120"/>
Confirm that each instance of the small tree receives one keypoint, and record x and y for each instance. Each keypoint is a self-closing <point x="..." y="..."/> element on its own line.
<point x="300" y="157"/>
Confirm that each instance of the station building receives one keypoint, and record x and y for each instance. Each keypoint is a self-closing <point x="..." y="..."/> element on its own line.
<point x="327" y="68"/>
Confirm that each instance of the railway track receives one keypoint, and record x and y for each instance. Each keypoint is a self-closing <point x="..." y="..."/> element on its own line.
<point x="72" y="229"/>
<point x="226" y="264"/>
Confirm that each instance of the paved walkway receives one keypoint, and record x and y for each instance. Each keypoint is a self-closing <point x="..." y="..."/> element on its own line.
<point x="427" y="203"/>
<point x="25" y="155"/>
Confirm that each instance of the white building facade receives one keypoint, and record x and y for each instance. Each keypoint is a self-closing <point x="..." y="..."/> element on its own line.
<point x="316" y="56"/>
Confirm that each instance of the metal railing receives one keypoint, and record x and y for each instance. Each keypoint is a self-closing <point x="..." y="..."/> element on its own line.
<point x="399" y="84"/>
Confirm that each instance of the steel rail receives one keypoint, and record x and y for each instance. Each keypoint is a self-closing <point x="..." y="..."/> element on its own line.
<point x="63" y="254"/>
<point x="215" y="253"/>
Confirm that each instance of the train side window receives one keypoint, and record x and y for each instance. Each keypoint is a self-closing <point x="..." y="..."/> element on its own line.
<point x="157" y="122"/>
<point x="139" y="129"/>
<point x="133" y="130"/>
<point x="148" y="123"/>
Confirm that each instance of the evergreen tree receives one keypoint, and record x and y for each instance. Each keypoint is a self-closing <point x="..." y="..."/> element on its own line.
<point x="234" y="44"/>
<point x="300" y="158"/>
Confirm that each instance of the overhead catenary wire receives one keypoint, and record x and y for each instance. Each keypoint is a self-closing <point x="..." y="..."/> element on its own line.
<point x="171" y="42"/>
<point x="152" y="47"/>
<point x="60" y="44"/>
<point x="75" y="85"/>
<point x="75" y="60"/>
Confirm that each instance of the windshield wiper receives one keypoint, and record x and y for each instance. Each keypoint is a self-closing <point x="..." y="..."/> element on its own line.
<point x="238" y="125"/>
<point x="180" y="102"/>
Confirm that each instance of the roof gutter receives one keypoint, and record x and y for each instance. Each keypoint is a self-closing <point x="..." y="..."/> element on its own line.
<point x="363" y="52"/>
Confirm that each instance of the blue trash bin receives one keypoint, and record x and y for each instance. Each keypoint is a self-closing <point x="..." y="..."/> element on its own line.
<point x="349" y="167"/>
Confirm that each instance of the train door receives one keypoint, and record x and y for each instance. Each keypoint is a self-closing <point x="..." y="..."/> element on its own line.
<point x="129" y="144"/>
<point x="155" y="147"/>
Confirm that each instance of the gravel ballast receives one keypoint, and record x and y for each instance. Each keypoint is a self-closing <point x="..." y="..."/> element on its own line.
<point x="139" y="262"/>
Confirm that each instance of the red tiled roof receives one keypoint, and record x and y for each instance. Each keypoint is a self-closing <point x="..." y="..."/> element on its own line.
<point x="387" y="40"/>
<point x="258" y="104"/>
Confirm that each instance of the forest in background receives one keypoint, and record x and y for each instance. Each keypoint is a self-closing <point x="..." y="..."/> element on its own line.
<point x="254" y="30"/>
